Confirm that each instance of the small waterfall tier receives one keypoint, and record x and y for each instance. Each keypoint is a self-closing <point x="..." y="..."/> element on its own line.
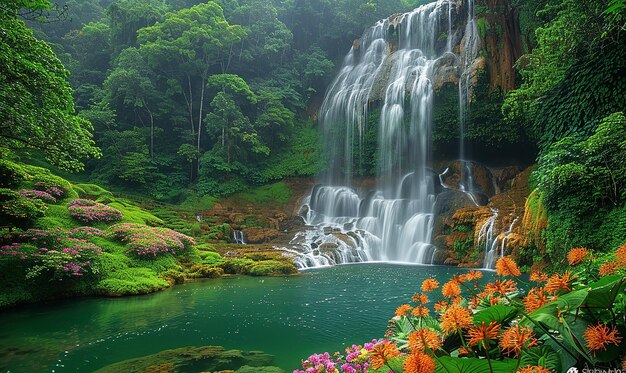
<point x="395" y="66"/>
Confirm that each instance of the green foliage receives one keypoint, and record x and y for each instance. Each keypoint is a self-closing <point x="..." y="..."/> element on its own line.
<point x="583" y="186"/>
<point x="130" y="281"/>
<point x="210" y="257"/>
<point x="272" y="267"/>
<point x="37" y="105"/>
<point x="272" y="194"/>
<point x="18" y="211"/>
<point x="593" y="87"/>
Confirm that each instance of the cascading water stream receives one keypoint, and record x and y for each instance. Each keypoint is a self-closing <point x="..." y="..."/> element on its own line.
<point x="493" y="242"/>
<point x="395" y="63"/>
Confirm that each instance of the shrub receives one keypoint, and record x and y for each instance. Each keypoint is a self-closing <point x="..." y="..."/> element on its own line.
<point x="86" y="232"/>
<point x="131" y="281"/>
<point x="37" y="194"/>
<point x="233" y="266"/>
<point x="272" y="267"/>
<point x="50" y="255"/>
<point x="11" y="175"/>
<point x="144" y="241"/>
<point x="18" y="211"/>
<point x="88" y="211"/>
<point x="205" y="271"/>
<point x="53" y="185"/>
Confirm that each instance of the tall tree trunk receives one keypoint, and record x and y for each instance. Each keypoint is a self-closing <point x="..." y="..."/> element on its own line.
<point x="145" y="104"/>
<point x="200" y="119"/>
<point x="189" y="101"/>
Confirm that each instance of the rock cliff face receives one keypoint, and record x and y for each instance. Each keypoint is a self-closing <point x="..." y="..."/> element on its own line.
<point x="491" y="215"/>
<point x="498" y="25"/>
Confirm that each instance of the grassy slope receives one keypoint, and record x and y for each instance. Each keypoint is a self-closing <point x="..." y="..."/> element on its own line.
<point x="116" y="272"/>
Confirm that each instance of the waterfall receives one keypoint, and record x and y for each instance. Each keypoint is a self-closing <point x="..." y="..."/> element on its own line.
<point x="239" y="237"/>
<point x="494" y="244"/>
<point x="470" y="45"/>
<point x="394" y="63"/>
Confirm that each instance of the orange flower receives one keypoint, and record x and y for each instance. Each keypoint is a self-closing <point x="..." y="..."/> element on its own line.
<point x="418" y="362"/>
<point x="382" y="353"/>
<point x="423" y="339"/>
<point x="624" y="364"/>
<point x="506" y="266"/>
<point x="599" y="336"/>
<point x="535" y="299"/>
<point x="403" y="309"/>
<point x="620" y="256"/>
<point x="473" y="275"/>
<point x="533" y="369"/>
<point x="577" y="255"/>
<point x="607" y="268"/>
<point x="559" y="282"/>
<point x="441" y="306"/>
<point x="494" y="300"/>
<point x="420" y="298"/>
<point x="420" y="311"/>
<point x="464" y="351"/>
<point x="429" y="284"/>
<point x="538" y="276"/>
<point x="499" y="287"/>
<point x="483" y="334"/>
<point x="451" y="288"/>
<point x="456" y="318"/>
<point x="516" y="338"/>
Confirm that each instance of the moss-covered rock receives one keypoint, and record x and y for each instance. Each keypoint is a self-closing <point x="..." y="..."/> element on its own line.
<point x="197" y="359"/>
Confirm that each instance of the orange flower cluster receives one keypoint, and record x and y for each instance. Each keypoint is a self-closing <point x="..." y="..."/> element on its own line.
<point x="559" y="282"/>
<point x="382" y="353"/>
<point x="499" y="287"/>
<point x="599" y="336"/>
<point x="470" y="276"/>
<point x="420" y="298"/>
<point x="533" y="369"/>
<point x="451" y="289"/>
<point x="420" y="311"/>
<point x="537" y="298"/>
<point x="620" y="256"/>
<point x="429" y="285"/>
<point x="418" y="362"/>
<point x="456" y="318"/>
<point x="506" y="266"/>
<point x="607" y="268"/>
<point x="483" y="333"/>
<point x="515" y="339"/>
<point x="403" y="310"/>
<point x="577" y="255"/>
<point x="423" y="339"/>
<point x="538" y="276"/>
<point x="440" y="306"/>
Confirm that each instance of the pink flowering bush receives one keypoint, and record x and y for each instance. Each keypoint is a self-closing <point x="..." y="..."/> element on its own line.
<point x="88" y="211"/>
<point x="18" y="211"/>
<point x="51" y="254"/>
<point x="144" y="241"/>
<point x="37" y="194"/>
<point x="53" y="187"/>
<point x="86" y="232"/>
<point x="356" y="360"/>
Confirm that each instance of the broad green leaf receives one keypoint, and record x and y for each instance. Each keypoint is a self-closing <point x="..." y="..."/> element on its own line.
<point x="602" y="293"/>
<point x="447" y="364"/>
<point x="500" y="313"/>
<point x="543" y="356"/>
<point x="572" y="300"/>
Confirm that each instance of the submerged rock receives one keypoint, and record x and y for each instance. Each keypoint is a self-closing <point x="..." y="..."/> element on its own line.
<point x="197" y="359"/>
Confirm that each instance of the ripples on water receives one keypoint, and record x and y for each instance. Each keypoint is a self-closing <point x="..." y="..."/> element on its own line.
<point x="289" y="317"/>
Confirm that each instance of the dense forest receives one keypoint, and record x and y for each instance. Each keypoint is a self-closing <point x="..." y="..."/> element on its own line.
<point x="149" y="143"/>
